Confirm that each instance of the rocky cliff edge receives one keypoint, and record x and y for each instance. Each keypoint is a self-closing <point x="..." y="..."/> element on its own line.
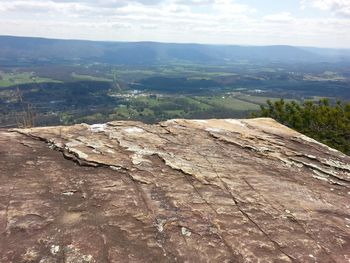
<point x="178" y="191"/>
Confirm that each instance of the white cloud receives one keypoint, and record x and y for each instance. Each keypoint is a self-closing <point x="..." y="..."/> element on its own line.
<point x="205" y="21"/>
<point x="230" y="7"/>
<point x="338" y="7"/>
<point x="283" y="17"/>
<point x="34" y="6"/>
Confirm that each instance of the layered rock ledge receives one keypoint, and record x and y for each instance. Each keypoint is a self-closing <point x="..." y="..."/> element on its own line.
<point x="178" y="191"/>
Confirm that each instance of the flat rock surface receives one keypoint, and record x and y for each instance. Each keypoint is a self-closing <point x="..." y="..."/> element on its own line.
<point x="178" y="191"/>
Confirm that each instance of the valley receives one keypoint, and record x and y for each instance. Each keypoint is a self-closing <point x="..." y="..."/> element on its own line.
<point x="151" y="82"/>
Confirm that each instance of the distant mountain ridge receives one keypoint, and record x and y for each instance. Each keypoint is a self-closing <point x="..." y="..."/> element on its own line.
<point x="41" y="50"/>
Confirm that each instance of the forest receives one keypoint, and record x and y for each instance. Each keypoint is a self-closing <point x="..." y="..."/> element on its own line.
<point x="322" y="121"/>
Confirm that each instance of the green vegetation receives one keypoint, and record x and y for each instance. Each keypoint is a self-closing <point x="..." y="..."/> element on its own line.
<point x="154" y="108"/>
<point x="228" y="103"/>
<point x="68" y="93"/>
<point x="329" y="124"/>
<point x="257" y="99"/>
<point x="88" y="78"/>
<point x="11" y="79"/>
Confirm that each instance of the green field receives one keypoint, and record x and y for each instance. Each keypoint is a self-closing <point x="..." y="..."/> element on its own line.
<point x="257" y="99"/>
<point x="12" y="79"/>
<point x="154" y="108"/>
<point x="228" y="103"/>
<point x="89" y="78"/>
<point x="97" y="93"/>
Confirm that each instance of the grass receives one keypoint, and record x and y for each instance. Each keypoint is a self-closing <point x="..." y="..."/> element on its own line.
<point x="168" y="107"/>
<point x="229" y="103"/>
<point x="201" y="105"/>
<point x="175" y="113"/>
<point x="89" y="78"/>
<point x="258" y="99"/>
<point x="12" y="79"/>
<point x="150" y="102"/>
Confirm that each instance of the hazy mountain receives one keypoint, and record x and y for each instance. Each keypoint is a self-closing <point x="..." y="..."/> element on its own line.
<point x="40" y="50"/>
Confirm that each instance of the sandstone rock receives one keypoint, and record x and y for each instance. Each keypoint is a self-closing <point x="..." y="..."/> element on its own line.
<point x="178" y="191"/>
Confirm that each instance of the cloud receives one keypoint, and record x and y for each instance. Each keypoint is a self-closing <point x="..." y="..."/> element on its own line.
<point x="195" y="2"/>
<point x="337" y="7"/>
<point x="108" y="2"/>
<point x="231" y="7"/>
<point x="204" y="21"/>
<point x="33" y="6"/>
<point x="283" y="17"/>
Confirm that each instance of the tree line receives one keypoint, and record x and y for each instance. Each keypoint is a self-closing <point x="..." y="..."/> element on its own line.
<point x="323" y="121"/>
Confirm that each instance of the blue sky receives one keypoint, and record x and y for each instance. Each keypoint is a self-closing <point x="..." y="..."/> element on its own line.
<point x="322" y="23"/>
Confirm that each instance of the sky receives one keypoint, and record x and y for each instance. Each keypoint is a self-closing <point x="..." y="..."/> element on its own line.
<point x="319" y="23"/>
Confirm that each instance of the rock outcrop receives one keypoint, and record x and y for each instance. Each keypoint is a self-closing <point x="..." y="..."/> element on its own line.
<point x="178" y="191"/>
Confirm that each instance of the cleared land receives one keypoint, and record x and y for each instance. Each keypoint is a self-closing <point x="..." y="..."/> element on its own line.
<point x="11" y="79"/>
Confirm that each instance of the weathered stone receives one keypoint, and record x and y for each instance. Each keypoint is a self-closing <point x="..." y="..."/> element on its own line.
<point x="177" y="191"/>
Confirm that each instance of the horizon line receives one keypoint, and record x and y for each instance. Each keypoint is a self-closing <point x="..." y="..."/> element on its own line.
<point x="176" y="43"/>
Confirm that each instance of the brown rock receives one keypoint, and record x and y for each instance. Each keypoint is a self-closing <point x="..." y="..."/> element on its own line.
<point x="178" y="191"/>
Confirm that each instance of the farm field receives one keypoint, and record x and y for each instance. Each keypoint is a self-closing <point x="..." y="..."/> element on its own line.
<point x="95" y="93"/>
<point x="11" y="79"/>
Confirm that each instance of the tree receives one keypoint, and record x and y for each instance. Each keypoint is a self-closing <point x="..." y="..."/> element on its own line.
<point x="327" y="123"/>
<point x="25" y="118"/>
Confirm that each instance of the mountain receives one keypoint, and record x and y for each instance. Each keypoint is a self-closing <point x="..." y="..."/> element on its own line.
<point x="177" y="191"/>
<point x="40" y="50"/>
